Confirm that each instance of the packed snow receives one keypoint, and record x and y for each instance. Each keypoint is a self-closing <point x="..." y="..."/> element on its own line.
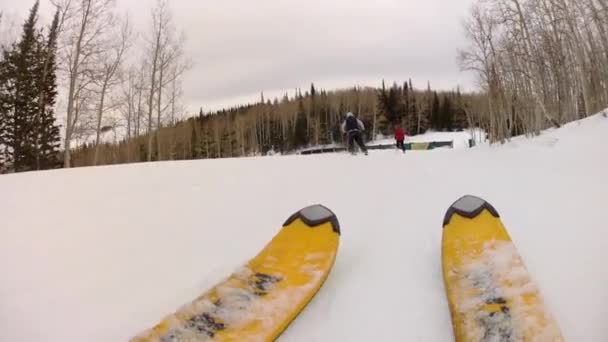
<point x="500" y="275"/>
<point x="459" y="139"/>
<point x="101" y="254"/>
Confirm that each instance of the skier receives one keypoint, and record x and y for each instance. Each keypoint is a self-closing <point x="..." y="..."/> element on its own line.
<point x="400" y="137"/>
<point x="354" y="128"/>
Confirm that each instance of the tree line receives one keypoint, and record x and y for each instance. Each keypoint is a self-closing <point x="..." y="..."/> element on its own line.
<point x="109" y="75"/>
<point x="541" y="63"/>
<point x="285" y="125"/>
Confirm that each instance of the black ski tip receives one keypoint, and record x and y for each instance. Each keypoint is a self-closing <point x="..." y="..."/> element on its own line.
<point x="468" y="206"/>
<point x="316" y="215"/>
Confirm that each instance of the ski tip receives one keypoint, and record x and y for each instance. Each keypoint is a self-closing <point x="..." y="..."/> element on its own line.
<point x="468" y="206"/>
<point x="316" y="215"/>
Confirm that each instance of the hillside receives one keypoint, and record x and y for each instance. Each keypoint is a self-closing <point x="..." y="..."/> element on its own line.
<point x="99" y="254"/>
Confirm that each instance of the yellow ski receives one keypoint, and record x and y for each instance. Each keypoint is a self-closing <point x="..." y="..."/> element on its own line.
<point x="259" y="301"/>
<point x="490" y="293"/>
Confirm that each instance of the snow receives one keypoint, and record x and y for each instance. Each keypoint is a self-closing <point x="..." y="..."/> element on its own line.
<point x="503" y="257"/>
<point x="460" y="139"/>
<point x="102" y="254"/>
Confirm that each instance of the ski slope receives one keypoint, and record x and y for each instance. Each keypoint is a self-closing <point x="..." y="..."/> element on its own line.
<point x="460" y="140"/>
<point x="100" y="254"/>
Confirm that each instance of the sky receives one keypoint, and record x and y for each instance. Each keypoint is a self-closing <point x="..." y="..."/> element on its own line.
<point x="240" y="48"/>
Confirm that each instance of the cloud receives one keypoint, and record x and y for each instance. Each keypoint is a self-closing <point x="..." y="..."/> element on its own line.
<point x="242" y="47"/>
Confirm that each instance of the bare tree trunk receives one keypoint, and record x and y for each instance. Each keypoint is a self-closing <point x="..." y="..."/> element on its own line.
<point x="110" y="68"/>
<point x="159" y="111"/>
<point x="527" y="64"/>
<point x="208" y="152"/>
<point x="241" y="131"/>
<point x="74" y="73"/>
<point x="159" y="21"/>
<point x="374" y="125"/>
<point x="173" y="96"/>
<point x="579" y="53"/>
<point x="139" y="109"/>
<point x="130" y="99"/>
<point x="601" y="27"/>
<point x="218" y="140"/>
<point x="151" y="107"/>
<point x="99" y="117"/>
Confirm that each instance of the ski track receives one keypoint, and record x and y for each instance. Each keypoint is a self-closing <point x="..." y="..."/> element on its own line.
<point x="101" y="254"/>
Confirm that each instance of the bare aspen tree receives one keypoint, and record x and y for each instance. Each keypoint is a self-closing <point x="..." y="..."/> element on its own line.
<point x="160" y="20"/>
<point x="480" y="57"/>
<point x="129" y="95"/>
<point x="544" y="64"/>
<point x="527" y="60"/>
<point x="165" y="53"/>
<point x="85" y="24"/>
<point x="170" y="70"/>
<point x="159" y="102"/>
<point x="175" y="91"/>
<point x="600" y="22"/>
<point x="139" y="88"/>
<point x="83" y="113"/>
<point x="578" y="51"/>
<point x="175" y="94"/>
<point x="110" y="63"/>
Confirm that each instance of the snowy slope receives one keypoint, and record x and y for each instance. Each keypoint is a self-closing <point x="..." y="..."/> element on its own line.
<point x="99" y="254"/>
<point x="460" y="139"/>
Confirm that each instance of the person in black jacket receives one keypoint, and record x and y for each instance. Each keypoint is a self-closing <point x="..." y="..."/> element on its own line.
<point x="354" y="129"/>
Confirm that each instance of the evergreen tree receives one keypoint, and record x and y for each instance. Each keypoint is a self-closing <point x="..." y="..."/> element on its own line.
<point x="46" y="131"/>
<point x="195" y="151"/>
<point x="23" y="61"/>
<point x="229" y="138"/>
<point x="411" y="118"/>
<point x="300" y="135"/>
<point x="28" y="91"/>
<point x="7" y="88"/>
<point x="327" y="136"/>
<point x="436" y="112"/>
<point x="460" y="117"/>
<point x="446" y="114"/>
<point x="313" y="118"/>
<point x="423" y="108"/>
<point x="390" y="106"/>
<point x="419" y="116"/>
<point x="276" y="136"/>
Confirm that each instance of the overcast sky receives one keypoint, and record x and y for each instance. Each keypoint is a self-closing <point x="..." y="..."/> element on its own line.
<point x="242" y="47"/>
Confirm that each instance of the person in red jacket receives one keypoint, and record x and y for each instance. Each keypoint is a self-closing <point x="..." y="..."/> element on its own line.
<point x="400" y="137"/>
